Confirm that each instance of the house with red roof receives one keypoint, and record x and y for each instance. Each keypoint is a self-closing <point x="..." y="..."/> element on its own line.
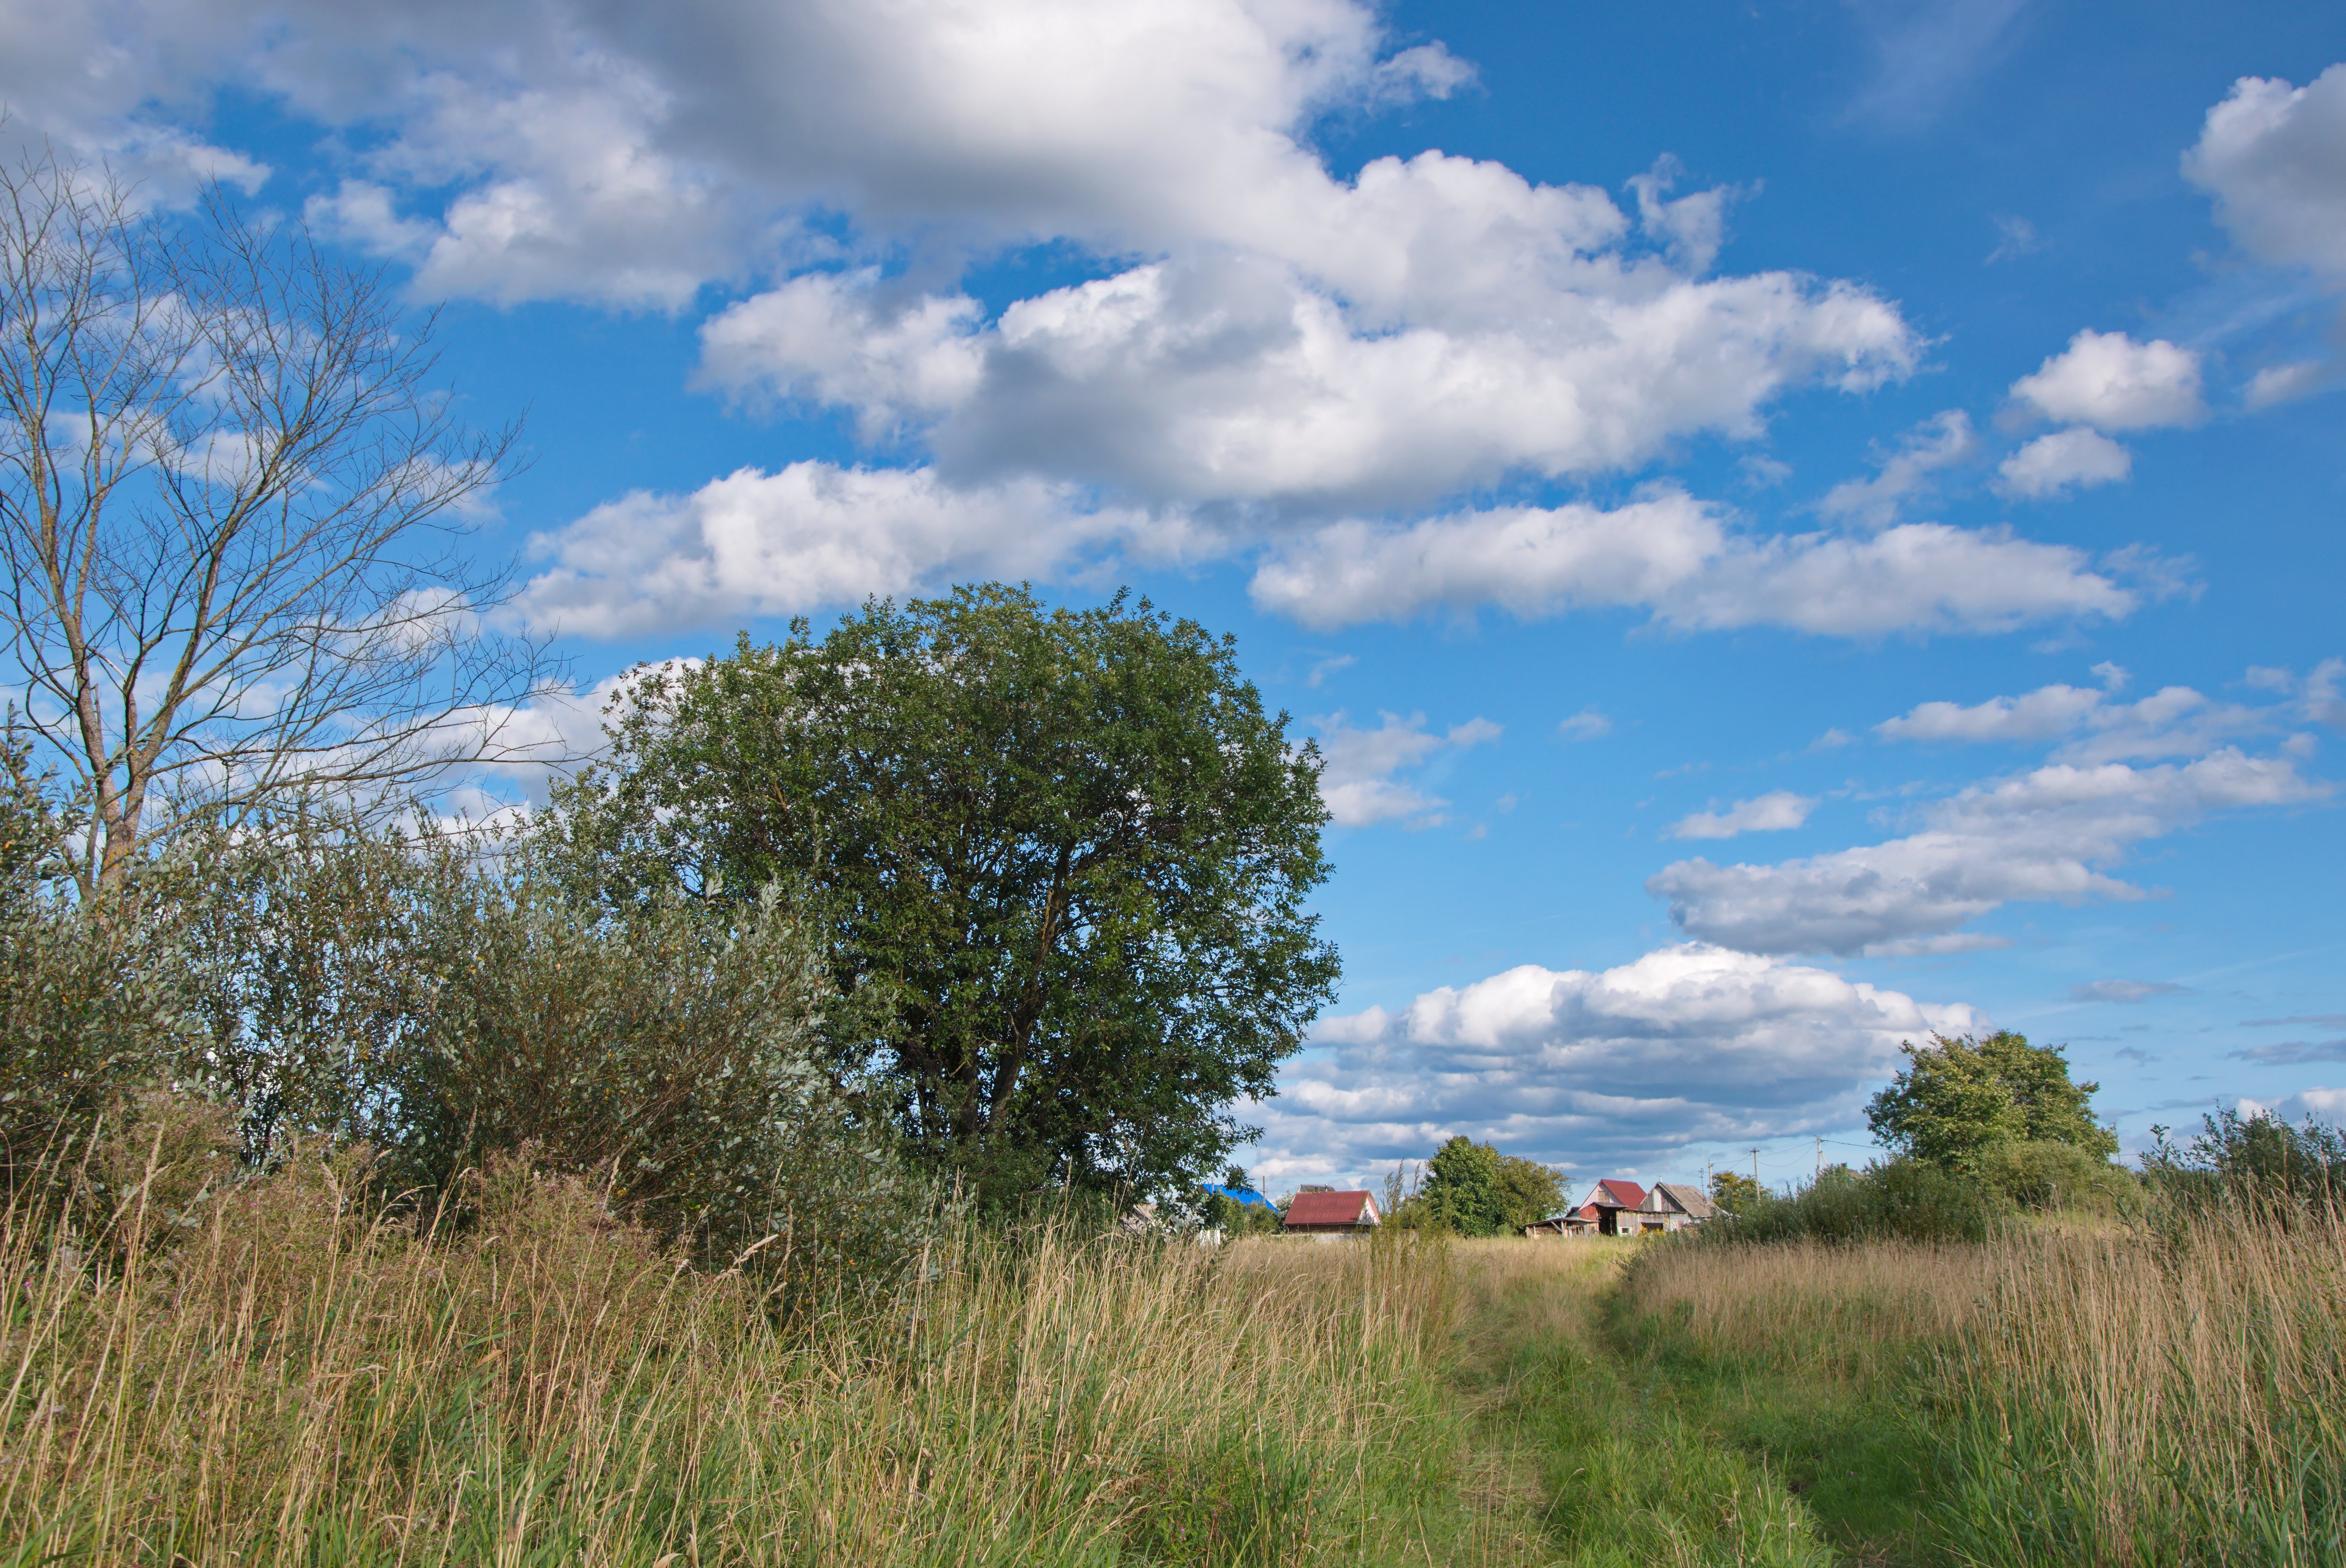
<point x="1601" y="1212"/>
<point x="1614" y="1207"/>
<point x="1311" y="1213"/>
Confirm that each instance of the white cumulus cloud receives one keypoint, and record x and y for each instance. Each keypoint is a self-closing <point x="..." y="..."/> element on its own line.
<point x="2075" y="458"/>
<point x="769" y="543"/>
<point x="2274" y="157"/>
<point x="2110" y="382"/>
<point x="1688" y="1044"/>
<point x="1774" y="812"/>
<point x="2174" y="721"/>
<point x="1678" y="558"/>
<point x="2045" y="835"/>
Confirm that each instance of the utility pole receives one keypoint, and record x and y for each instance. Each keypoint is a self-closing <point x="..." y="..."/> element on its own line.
<point x="1821" y="1156"/>
<point x="1755" y="1164"/>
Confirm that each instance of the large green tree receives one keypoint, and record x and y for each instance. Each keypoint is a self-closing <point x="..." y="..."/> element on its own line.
<point x="1063" y="856"/>
<point x="1473" y="1189"/>
<point x="1958" y="1098"/>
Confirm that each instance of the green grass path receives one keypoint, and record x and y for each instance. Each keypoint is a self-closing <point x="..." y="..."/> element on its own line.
<point x="1642" y="1451"/>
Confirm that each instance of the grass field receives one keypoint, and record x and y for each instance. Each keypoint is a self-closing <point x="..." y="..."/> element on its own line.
<point x="293" y="1381"/>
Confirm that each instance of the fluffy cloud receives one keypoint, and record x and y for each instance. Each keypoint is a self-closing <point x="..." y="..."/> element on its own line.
<point x="2075" y="458"/>
<point x="2039" y="836"/>
<point x="827" y="338"/>
<point x="2041" y="715"/>
<point x="2274" y="157"/>
<point x="1774" y="812"/>
<point x="1677" y="557"/>
<point x="1135" y="124"/>
<point x="1358" y="781"/>
<point x="2321" y="1105"/>
<point x="2174" y="721"/>
<point x="759" y="544"/>
<point x="1320" y="381"/>
<point x="2110" y="382"/>
<point x="1688" y="1044"/>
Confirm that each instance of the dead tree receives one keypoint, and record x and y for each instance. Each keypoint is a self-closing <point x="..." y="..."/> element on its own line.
<point x="236" y="512"/>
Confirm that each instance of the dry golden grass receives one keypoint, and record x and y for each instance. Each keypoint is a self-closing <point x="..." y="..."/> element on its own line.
<point x="2146" y="1391"/>
<point x="299" y="1383"/>
<point x="2096" y="1395"/>
<point x="1801" y="1300"/>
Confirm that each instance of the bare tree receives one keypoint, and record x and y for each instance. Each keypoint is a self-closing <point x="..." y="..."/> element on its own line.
<point x="233" y="508"/>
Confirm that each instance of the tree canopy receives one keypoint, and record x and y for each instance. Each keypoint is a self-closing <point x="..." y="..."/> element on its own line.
<point x="1956" y="1099"/>
<point x="1062" y="856"/>
<point x="1473" y="1189"/>
<point x="1732" y="1192"/>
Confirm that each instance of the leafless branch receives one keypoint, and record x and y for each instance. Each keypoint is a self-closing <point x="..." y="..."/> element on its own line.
<point x="234" y="511"/>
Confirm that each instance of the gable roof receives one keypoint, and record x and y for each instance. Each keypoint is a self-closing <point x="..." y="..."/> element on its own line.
<point x="1332" y="1208"/>
<point x="1613" y="1193"/>
<point x="1688" y="1200"/>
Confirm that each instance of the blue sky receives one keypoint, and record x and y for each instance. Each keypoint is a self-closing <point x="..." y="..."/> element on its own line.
<point x="1796" y="525"/>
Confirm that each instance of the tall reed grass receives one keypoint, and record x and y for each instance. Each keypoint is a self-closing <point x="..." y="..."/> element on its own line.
<point x="293" y="1377"/>
<point x="2147" y="1399"/>
<point x="2078" y="1393"/>
<point x="1805" y="1306"/>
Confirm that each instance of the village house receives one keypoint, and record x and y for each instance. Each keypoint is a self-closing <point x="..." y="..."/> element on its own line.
<point x="1676" y="1205"/>
<point x="1616" y="1206"/>
<point x="1331" y="1214"/>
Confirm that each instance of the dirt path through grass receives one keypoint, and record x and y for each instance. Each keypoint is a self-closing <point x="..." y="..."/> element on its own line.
<point x="1640" y="1448"/>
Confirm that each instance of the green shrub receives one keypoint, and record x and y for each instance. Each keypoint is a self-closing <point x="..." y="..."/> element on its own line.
<point x="2042" y="1174"/>
<point x="347" y="987"/>
<point x="2259" y="1162"/>
<point x="1906" y="1200"/>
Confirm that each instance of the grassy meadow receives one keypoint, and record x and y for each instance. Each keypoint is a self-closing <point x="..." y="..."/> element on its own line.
<point x="286" y="1376"/>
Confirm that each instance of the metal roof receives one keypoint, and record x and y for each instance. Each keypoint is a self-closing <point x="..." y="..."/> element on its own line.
<point x="1240" y="1194"/>
<point x="1332" y="1208"/>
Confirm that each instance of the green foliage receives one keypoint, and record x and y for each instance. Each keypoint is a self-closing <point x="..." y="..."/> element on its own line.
<point x="1471" y="1190"/>
<point x="2054" y="1175"/>
<point x="85" y="1021"/>
<point x="2259" y="1160"/>
<point x="1461" y="1188"/>
<point x="1907" y="1200"/>
<point x="1527" y="1191"/>
<point x="345" y="986"/>
<point x="311" y="954"/>
<point x="1732" y="1192"/>
<point x="1958" y="1098"/>
<point x="1062" y="859"/>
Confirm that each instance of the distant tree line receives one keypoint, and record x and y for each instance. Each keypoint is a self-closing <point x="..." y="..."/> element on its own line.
<point x="1980" y="1131"/>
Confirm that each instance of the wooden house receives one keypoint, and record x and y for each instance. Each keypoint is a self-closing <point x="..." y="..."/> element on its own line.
<point x="1673" y="1206"/>
<point x="1617" y="1207"/>
<point x="1597" y="1213"/>
<point x="1331" y="1214"/>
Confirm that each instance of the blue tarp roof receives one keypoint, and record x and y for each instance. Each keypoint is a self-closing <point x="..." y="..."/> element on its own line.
<point x="1243" y="1195"/>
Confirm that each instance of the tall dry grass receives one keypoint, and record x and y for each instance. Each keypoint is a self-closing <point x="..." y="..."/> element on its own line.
<point x="298" y="1380"/>
<point x="2150" y="1398"/>
<point x="2086" y="1394"/>
<point x="1804" y="1304"/>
